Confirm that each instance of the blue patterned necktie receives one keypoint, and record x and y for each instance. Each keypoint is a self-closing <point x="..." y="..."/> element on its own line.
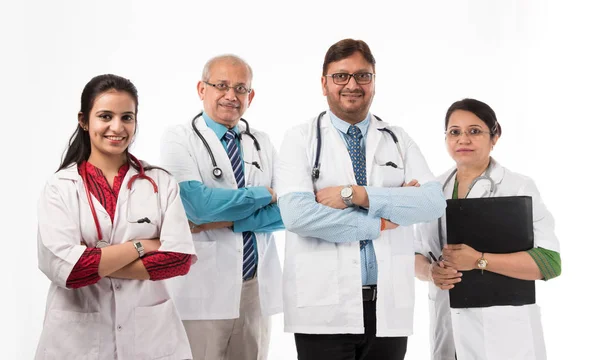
<point x="358" y="161"/>
<point x="250" y="255"/>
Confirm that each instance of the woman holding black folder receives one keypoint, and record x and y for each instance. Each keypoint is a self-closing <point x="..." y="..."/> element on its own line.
<point x="492" y="332"/>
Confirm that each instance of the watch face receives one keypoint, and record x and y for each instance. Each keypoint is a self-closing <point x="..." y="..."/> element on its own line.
<point x="101" y="244"/>
<point x="346" y="192"/>
<point x="481" y="263"/>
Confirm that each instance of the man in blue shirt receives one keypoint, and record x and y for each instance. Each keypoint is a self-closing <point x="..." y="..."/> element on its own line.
<point x="225" y="174"/>
<point x="351" y="186"/>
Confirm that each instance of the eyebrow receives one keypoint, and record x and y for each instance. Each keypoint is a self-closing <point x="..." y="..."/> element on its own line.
<point x="227" y="82"/>
<point x="344" y="71"/>
<point x="112" y="112"/>
<point x="456" y="126"/>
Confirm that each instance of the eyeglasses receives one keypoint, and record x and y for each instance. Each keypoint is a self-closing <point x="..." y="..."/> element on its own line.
<point x="238" y="89"/>
<point x="470" y="133"/>
<point x="362" y="78"/>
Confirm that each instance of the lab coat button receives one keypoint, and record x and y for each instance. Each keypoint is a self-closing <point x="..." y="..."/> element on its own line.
<point x="119" y="328"/>
<point x="355" y="262"/>
<point x="118" y="287"/>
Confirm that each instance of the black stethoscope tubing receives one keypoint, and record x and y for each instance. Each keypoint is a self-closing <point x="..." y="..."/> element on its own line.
<point x="217" y="172"/>
<point x="317" y="166"/>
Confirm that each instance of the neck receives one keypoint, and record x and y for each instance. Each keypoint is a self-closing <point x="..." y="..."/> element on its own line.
<point x="351" y="119"/>
<point x="466" y="173"/>
<point x="108" y="164"/>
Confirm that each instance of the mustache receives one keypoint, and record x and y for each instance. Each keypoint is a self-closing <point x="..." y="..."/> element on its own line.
<point x="229" y="103"/>
<point x="355" y="91"/>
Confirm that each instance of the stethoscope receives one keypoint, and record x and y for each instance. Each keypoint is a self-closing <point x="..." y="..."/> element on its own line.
<point x="316" y="171"/>
<point x="217" y="172"/>
<point x="486" y="176"/>
<point x="140" y="175"/>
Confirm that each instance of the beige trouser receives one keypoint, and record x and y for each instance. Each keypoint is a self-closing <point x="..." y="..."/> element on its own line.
<point x="244" y="338"/>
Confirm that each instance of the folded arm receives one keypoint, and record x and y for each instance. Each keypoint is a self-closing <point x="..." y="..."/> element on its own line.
<point x="302" y="215"/>
<point x="204" y="204"/>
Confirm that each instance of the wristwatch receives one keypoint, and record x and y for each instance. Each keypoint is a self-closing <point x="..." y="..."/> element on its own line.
<point x="139" y="247"/>
<point x="101" y="244"/>
<point x="482" y="263"/>
<point x="346" y="194"/>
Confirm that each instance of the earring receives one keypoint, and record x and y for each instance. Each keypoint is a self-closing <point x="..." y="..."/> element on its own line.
<point x="85" y="128"/>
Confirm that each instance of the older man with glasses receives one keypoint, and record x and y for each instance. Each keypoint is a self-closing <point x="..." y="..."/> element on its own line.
<point x="225" y="173"/>
<point x="349" y="265"/>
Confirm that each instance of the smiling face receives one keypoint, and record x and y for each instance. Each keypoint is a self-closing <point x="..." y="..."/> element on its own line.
<point x="111" y="124"/>
<point x="350" y="102"/>
<point x="468" y="139"/>
<point x="226" y="107"/>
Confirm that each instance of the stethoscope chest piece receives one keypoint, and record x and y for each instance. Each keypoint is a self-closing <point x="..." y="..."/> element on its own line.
<point x="217" y="173"/>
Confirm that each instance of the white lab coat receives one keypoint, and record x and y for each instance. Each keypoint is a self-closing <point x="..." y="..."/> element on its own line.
<point x="497" y="332"/>
<point x="322" y="280"/>
<point x="212" y="288"/>
<point x="114" y="318"/>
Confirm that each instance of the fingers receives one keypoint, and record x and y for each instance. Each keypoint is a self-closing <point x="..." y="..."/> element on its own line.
<point x="413" y="182"/>
<point x="444" y="277"/>
<point x="389" y="225"/>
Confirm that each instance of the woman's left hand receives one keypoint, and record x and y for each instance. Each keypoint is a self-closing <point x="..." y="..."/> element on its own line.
<point x="461" y="257"/>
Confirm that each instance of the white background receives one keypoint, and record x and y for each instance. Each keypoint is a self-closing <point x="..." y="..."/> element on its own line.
<point x="534" y="62"/>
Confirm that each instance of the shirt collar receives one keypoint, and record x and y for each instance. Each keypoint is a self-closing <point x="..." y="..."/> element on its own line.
<point x="219" y="129"/>
<point x="343" y="126"/>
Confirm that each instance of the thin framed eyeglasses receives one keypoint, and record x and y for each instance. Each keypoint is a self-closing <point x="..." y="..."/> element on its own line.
<point x="471" y="133"/>
<point x="361" y="78"/>
<point x="238" y="89"/>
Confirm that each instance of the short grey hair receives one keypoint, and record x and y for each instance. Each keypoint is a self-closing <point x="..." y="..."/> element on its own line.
<point x="232" y="59"/>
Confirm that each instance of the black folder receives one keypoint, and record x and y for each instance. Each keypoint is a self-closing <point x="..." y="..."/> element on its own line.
<point x="491" y="225"/>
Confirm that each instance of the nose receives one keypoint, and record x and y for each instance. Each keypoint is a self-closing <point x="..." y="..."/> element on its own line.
<point x="464" y="139"/>
<point x="352" y="84"/>
<point x="117" y="125"/>
<point x="230" y="94"/>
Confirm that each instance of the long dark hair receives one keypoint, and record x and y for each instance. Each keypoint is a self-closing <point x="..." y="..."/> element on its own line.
<point x="79" y="147"/>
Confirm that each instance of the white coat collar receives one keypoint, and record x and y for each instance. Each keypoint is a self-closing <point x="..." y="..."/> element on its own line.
<point x="371" y="143"/>
<point x="218" y="150"/>
<point x="481" y="188"/>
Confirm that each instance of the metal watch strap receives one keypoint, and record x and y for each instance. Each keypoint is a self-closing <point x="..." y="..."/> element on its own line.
<point x="348" y="200"/>
<point x="139" y="247"/>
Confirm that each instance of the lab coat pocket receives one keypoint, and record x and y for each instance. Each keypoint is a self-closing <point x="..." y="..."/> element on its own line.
<point x="317" y="279"/>
<point x="71" y="335"/>
<point x="387" y="176"/>
<point x="155" y="331"/>
<point x="142" y="213"/>
<point x="519" y="326"/>
<point x="403" y="280"/>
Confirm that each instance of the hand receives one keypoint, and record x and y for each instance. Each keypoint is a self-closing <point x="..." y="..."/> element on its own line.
<point x="273" y="195"/>
<point x="209" y="226"/>
<point x="389" y="225"/>
<point x="461" y="256"/>
<point x="150" y="245"/>
<point x="331" y="196"/>
<point x="443" y="276"/>
<point x="413" y="182"/>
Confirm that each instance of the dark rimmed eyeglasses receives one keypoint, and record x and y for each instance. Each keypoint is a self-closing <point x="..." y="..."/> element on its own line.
<point x="361" y="78"/>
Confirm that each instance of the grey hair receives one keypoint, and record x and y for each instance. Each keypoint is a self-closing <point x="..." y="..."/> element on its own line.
<point x="233" y="59"/>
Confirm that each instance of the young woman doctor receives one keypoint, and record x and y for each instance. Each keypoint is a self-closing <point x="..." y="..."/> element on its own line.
<point x="110" y="228"/>
<point x="496" y="332"/>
